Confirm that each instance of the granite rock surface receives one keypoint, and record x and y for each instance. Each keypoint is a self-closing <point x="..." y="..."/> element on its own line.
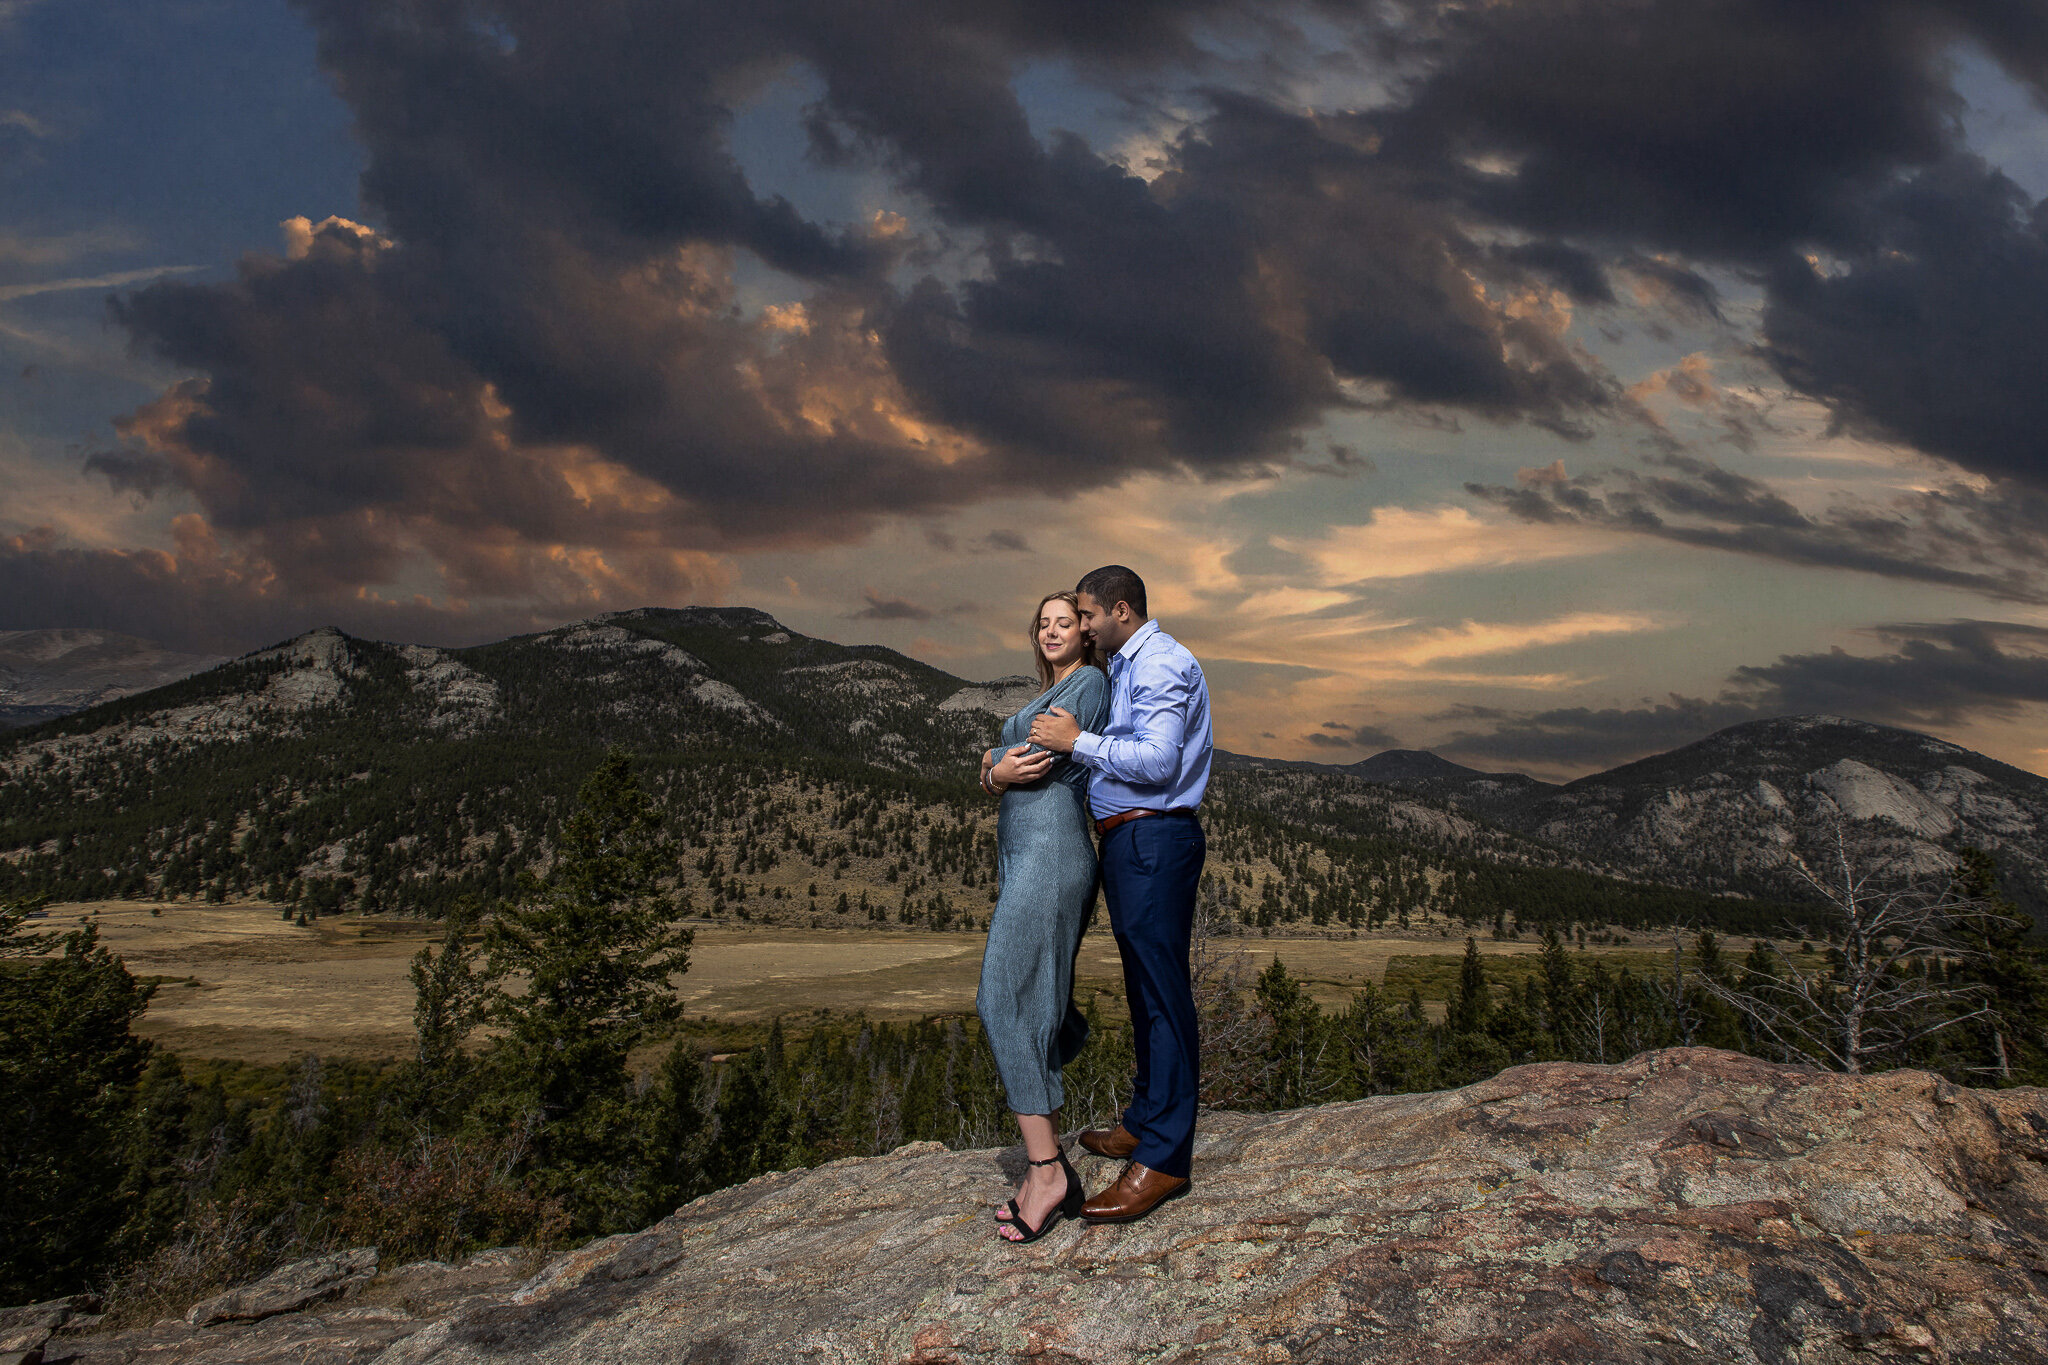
<point x="1685" y="1205"/>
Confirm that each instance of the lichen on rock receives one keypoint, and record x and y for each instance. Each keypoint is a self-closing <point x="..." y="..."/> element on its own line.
<point x="1685" y="1205"/>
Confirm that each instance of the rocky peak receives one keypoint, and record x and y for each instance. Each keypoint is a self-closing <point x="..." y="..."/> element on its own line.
<point x="1685" y="1205"/>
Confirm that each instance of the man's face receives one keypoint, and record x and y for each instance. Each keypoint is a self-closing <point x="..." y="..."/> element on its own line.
<point x="1110" y="627"/>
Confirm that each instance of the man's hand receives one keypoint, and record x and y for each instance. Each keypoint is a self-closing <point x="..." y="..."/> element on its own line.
<point x="1017" y="767"/>
<point x="1056" y="730"/>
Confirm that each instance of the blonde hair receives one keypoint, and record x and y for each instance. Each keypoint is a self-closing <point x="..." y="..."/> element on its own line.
<point x="1088" y="656"/>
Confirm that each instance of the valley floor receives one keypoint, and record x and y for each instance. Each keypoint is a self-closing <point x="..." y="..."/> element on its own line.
<point x="240" y="982"/>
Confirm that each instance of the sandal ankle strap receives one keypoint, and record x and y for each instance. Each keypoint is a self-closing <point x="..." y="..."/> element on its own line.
<point x="1049" y="1161"/>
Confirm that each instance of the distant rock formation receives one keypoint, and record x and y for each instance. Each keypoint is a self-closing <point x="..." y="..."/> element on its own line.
<point x="1721" y="811"/>
<point x="49" y="673"/>
<point x="1687" y="1205"/>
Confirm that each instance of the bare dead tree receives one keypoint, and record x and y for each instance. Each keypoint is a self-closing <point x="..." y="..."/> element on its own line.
<point x="1671" y="998"/>
<point x="1233" y="1032"/>
<point x="1883" y="989"/>
<point x="1594" y="1017"/>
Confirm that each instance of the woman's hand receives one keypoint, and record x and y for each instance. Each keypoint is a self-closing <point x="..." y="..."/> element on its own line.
<point x="1019" y="766"/>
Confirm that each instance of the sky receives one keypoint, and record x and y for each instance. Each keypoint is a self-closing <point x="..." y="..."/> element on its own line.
<point x="1546" y="383"/>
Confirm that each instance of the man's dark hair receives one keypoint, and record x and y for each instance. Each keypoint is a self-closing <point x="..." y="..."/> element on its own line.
<point x="1113" y="583"/>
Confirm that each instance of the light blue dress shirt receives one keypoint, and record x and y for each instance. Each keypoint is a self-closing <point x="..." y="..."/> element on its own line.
<point x="1154" y="753"/>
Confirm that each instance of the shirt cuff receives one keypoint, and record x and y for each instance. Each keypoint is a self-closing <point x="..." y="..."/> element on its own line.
<point x="1087" y="747"/>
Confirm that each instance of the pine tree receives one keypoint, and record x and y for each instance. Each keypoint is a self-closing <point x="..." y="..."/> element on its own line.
<point x="1295" y="1040"/>
<point x="2012" y="1045"/>
<point x="449" y="1000"/>
<point x="1558" y="987"/>
<point x="1474" y="1002"/>
<point x="595" y="948"/>
<point x="676" y="1133"/>
<point x="68" y="1065"/>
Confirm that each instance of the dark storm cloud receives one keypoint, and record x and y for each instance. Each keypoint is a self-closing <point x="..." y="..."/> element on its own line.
<point x="542" y="347"/>
<point x="1004" y="542"/>
<point x="130" y="471"/>
<point x="1593" y="738"/>
<point x="1956" y="537"/>
<point x="1757" y="134"/>
<point x="197" y="601"/>
<point x="1935" y="675"/>
<point x="559" y="207"/>
<point x="881" y="608"/>
<point x="1337" y="735"/>
<point x="1932" y="333"/>
<point x="1724" y="129"/>
<point x="1930" y="675"/>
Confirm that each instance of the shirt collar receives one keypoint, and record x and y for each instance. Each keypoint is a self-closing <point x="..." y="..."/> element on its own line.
<point x="1137" y="641"/>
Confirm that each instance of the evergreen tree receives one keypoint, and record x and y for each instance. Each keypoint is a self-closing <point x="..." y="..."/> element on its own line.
<point x="449" y="1000"/>
<point x="68" y="1065"/>
<point x="154" y="1185"/>
<point x="595" y="949"/>
<point x="1295" y="1040"/>
<point x="1558" y="989"/>
<point x="676" y="1132"/>
<point x="2011" y="1047"/>
<point x="1472" y="1005"/>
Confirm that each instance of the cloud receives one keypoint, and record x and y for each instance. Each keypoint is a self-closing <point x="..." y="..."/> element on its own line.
<point x="881" y="608"/>
<point x="1720" y="129"/>
<point x="1932" y="675"/>
<point x="1004" y="542"/>
<point x="9" y="293"/>
<point x="1337" y="735"/>
<point x="203" y="595"/>
<point x="1929" y="332"/>
<point x="550" y="279"/>
<point x="572" y="322"/>
<point x="1955" y="535"/>
<point x="33" y="250"/>
<point x="1408" y="542"/>
<point x="1586" y="738"/>
<point x="1941" y="674"/>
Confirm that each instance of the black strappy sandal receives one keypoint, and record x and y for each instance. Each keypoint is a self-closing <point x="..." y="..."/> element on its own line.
<point x="1068" y="1207"/>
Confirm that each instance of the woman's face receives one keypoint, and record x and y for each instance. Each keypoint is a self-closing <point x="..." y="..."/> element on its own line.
<point x="1059" y="633"/>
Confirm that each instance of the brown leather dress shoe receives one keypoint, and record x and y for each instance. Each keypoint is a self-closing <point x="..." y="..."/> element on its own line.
<point x="1115" y="1143"/>
<point x="1138" y="1191"/>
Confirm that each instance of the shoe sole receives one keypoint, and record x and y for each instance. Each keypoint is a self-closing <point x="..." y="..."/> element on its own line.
<point x="1141" y="1213"/>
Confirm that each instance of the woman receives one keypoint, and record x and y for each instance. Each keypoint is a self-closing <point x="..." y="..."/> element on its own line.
<point x="1045" y="855"/>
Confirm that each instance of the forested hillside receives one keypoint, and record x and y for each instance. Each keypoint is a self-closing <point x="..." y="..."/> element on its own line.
<point x="805" y="780"/>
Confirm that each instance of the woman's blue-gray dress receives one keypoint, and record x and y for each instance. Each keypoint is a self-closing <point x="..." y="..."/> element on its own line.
<point x="1045" y="854"/>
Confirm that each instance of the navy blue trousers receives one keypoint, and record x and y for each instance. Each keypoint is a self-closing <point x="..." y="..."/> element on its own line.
<point x="1151" y="868"/>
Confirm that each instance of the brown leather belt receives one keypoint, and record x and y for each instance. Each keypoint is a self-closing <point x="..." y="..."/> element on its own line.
<point x="1122" y="817"/>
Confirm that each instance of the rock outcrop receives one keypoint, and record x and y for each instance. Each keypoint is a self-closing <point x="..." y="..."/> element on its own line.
<point x="289" y="1288"/>
<point x="1687" y="1205"/>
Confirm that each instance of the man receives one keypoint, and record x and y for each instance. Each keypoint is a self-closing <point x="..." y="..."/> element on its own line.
<point x="1149" y="769"/>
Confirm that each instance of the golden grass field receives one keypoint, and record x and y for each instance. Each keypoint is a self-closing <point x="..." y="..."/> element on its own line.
<point x="239" y="982"/>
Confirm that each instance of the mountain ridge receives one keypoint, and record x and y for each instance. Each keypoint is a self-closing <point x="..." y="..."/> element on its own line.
<point x="52" y="672"/>
<point x="1715" y="815"/>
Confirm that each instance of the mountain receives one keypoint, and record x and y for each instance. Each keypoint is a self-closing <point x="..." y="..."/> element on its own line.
<point x="1468" y="791"/>
<point x="1416" y="770"/>
<point x="48" y="673"/>
<point x="1720" y="813"/>
<point x="803" y="779"/>
<point x="330" y="771"/>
